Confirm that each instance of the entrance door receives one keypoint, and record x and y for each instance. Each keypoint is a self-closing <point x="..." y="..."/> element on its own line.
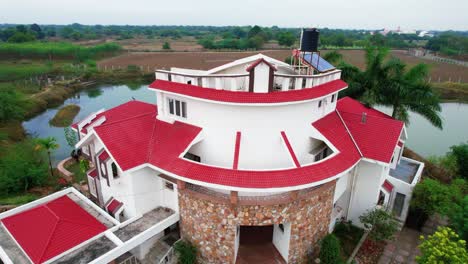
<point x="256" y="234"/>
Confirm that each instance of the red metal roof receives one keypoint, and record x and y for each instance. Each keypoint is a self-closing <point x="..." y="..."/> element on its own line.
<point x="93" y="173"/>
<point x="257" y="62"/>
<point x="249" y="97"/>
<point x="145" y="139"/>
<point x="387" y="186"/>
<point x="377" y="137"/>
<point x="290" y="149"/>
<point x="124" y="111"/>
<point x="50" y="229"/>
<point x="103" y="156"/>
<point x="113" y="206"/>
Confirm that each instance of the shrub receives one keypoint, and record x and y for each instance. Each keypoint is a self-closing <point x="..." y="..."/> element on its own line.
<point x="380" y="223"/>
<point x="444" y="246"/>
<point x="166" y="46"/>
<point x="133" y="68"/>
<point x="330" y="250"/>
<point x="186" y="252"/>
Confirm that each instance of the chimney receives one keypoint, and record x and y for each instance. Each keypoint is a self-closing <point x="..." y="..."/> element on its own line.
<point x="364" y="118"/>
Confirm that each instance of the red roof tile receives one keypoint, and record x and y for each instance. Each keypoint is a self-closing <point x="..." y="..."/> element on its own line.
<point x="113" y="206"/>
<point x="249" y="97"/>
<point x="257" y="62"/>
<point x="93" y="173"/>
<point x="145" y="139"/>
<point x="387" y="186"/>
<point x="48" y="230"/>
<point x="290" y="149"/>
<point x="377" y="137"/>
<point x="235" y="163"/>
<point x="103" y="156"/>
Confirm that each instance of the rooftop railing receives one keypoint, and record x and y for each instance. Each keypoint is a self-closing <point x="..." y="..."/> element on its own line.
<point x="240" y="82"/>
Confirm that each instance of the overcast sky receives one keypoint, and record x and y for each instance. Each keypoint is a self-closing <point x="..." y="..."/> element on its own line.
<point x="363" y="14"/>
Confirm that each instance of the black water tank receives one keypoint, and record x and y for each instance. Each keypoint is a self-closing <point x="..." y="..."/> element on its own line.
<point x="309" y="39"/>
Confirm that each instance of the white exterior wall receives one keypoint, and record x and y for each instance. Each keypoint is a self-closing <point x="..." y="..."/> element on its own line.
<point x="368" y="179"/>
<point x="261" y="143"/>
<point x="261" y="79"/>
<point x="281" y="239"/>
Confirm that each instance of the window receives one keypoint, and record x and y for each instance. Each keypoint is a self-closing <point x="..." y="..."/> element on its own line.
<point x="322" y="154"/>
<point x="333" y="98"/>
<point x="177" y="108"/>
<point x="320" y="104"/>
<point x="398" y="204"/>
<point x="168" y="185"/>
<point x="115" y="172"/>
<point x="381" y="200"/>
<point x="193" y="157"/>
<point x="189" y="82"/>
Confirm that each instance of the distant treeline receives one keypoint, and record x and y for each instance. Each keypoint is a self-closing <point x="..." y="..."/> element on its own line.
<point x="56" y="50"/>
<point x="237" y="37"/>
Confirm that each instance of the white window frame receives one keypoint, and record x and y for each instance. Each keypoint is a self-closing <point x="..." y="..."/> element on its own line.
<point x="175" y="109"/>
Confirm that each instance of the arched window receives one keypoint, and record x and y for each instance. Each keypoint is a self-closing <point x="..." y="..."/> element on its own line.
<point x="115" y="172"/>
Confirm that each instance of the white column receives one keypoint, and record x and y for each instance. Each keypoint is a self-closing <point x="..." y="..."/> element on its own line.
<point x="285" y="85"/>
<point x="218" y="84"/>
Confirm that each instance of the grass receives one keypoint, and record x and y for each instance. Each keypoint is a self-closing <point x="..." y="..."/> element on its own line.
<point x="18" y="199"/>
<point x="15" y="71"/>
<point x="55" y="50"/>
<point x="452" y="91"/>
<point x="78" y="175"/>
<point x="349" y="235"/>
<point x="64" y="117"/>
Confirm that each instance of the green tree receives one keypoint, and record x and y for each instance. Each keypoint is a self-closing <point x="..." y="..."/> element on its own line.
<point x="186" y="252"/>
<point x="444" y="246"/>
<point x="20" y="37"/>
<point x="388" y="82"/>
<point x="380" y="224"/>
<point x="48" y="144"/>
<point x="333" y="57"/>
<point x="21" y="167"/>
<point x="286" y="39"/>
<point x="12" y="105"/>
<point x="330" y="250"/>
<point x="460" y="154"/>
<point x="166" y="46"/>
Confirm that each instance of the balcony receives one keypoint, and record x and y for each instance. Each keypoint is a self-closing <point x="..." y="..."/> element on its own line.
<point x="407" y="170"/>
<point x="240" y="82"/>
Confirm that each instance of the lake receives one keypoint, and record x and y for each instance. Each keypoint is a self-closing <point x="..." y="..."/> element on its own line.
<point x="423" y="138"/>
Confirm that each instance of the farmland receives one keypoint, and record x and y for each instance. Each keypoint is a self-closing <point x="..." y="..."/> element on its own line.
<point x="206" y="60"/>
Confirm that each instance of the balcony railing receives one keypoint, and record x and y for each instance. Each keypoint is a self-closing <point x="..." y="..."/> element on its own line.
<point x="230" y="82"/>
<point x="240" y="82"/>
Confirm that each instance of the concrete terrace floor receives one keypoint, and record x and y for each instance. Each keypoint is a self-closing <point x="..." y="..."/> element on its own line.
<point x="87" y="253"/>
<point x="11" y="248"/>
<point x="146" y="221"/>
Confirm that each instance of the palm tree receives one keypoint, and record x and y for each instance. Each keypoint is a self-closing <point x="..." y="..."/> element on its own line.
<point x="49" y="144"/>
<point x="389" y="83"/>
<point x="406" y="90"/>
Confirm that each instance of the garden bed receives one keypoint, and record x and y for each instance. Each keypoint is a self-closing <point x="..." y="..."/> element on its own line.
<point x="349" y="236"/>
<point x="78" y="175"/>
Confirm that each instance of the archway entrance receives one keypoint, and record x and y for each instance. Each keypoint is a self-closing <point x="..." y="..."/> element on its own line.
<point x="256" y="246"/>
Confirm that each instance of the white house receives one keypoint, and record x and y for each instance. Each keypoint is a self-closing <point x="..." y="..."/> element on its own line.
<point x="248" y="154"/>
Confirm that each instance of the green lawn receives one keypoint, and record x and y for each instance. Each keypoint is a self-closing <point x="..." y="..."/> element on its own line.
<point x="18" y="199"/>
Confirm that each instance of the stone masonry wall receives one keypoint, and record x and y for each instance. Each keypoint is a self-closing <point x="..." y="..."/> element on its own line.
<point x="211" y="223"/>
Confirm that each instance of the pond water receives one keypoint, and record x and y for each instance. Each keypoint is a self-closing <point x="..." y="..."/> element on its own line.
<point x="423" y="138"/>
<point x="91" y="100"/>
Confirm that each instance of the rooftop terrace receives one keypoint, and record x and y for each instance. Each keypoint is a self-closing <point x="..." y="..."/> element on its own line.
<point x="405" y="171"/>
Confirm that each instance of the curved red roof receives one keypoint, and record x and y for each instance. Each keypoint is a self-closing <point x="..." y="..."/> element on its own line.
<point x="249" y="97"/>
<point x="144" y="139"/>
<point x="56" y="227"/>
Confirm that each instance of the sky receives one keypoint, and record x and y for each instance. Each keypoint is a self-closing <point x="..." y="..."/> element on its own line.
<point x="348" y="14"/>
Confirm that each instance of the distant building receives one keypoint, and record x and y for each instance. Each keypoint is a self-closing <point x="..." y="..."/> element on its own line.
<point x="255" y="152"/>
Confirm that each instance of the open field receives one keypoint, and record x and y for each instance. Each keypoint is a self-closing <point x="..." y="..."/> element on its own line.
<point x="207" y="60"/>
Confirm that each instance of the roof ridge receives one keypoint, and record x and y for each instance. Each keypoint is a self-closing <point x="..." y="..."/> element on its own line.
<point x="49" y="239"/>
<point x="125" y="119"/>
<point x="349" y="132"/>
<point x="151" y="143"/>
